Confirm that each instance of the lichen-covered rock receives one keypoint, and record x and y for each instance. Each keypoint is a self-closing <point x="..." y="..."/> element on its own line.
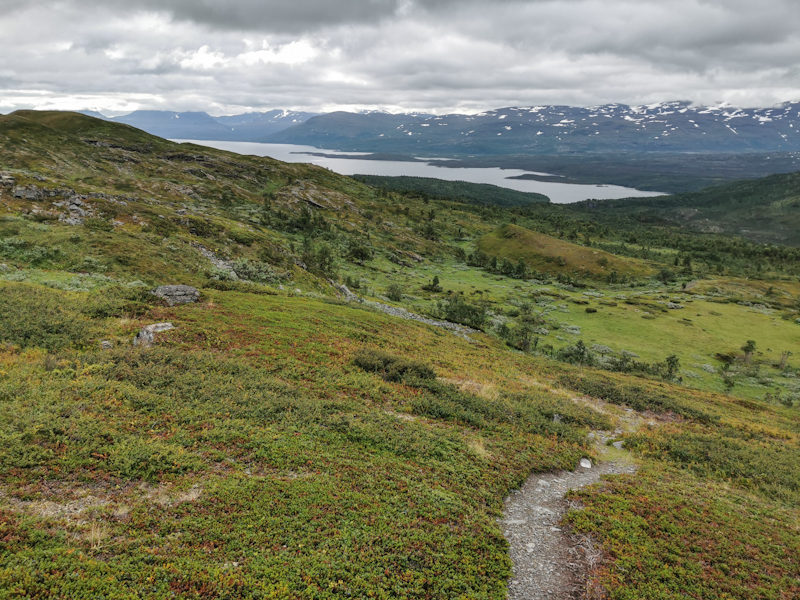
<point x="177" y="294"/>
<point x="146" y="336"/>
<point x="348" y="295"/>
<point x="71" y="220"/>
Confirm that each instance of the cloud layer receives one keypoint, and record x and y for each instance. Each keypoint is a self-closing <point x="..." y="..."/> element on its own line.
<point x="433" y="55"/>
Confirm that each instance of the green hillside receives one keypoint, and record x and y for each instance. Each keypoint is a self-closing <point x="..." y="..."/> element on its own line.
<point x="477" y="193"/>
<point x="365" y="377"/>
<point x="764" y="210"/>
<point x="545" y="253"/>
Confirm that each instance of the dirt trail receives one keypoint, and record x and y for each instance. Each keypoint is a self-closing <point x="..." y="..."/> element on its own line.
<point x="548" y="562"/>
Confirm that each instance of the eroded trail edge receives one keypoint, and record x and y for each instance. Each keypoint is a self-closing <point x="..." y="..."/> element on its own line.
<point x="549" y="562"/>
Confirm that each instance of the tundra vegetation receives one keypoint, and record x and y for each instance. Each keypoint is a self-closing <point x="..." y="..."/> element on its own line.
<point x="290" y="439"/>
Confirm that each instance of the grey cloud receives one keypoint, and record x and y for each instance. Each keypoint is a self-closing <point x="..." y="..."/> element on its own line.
<point x="268" y="15"/>
<point x="264" y="15"/>
<point x="440" y="55"/>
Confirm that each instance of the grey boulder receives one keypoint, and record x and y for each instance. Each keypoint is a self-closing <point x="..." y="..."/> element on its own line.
<point x="146" y="336"/>
<point x="177" y="294"/>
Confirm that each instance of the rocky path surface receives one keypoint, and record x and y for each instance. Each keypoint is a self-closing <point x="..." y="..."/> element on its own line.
<point x="223" y="265"/>
<point x="460" y="330"/>
<point x="548" y="562"/>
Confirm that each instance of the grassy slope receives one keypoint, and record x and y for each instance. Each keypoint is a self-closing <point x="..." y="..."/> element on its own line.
<point x="542" y="252"/>
<point x="246" y="456"/>
<point x="765" y="210"/>
<point x="478" y="193"/>
<point x="274" y="466"/>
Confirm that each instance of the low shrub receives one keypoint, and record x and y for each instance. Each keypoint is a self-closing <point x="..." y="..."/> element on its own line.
<point x="241" y="236"/>
<point x="98" y="225"/>
<point x="231" y="285"/>
<point x="534" y="415"/>
<point x="136" y="458"/>
<point x="394" y="292"/>
<point x="559" y="410"/>
<point x="199" y="226"/>
<point x="118" y="301"/>
<point x="577" y="354"/>
<point x="746" y="459"/>
<point x="393" y="368"/>
<point x="257" y="271"/>
<point x="454" y="308"/>
<point x="29" y="252"/>
<point x="639" y="397"/>
<point x="671" y="535"/>
<point x="445" y="401"/>
<point x="31" y="316"/>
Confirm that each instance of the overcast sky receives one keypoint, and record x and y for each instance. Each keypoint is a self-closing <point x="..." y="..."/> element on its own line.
<point x="233" y="56"/>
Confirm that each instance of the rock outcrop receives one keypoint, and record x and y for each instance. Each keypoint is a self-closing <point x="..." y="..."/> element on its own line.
<point x="146" y="336"/>
<point x="219" y="263"/>
<point x="177" y="294"/>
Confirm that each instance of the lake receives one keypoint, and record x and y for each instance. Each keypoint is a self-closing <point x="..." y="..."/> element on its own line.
<point x="559" y="193"/>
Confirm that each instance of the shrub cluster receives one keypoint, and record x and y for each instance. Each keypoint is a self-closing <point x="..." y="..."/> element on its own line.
<point x="393" y="368"/>
<point x="438" y="400"/>
<point x="454" y="308"/>
<point x="31" y="316"/>
<point x="231" y="285"/>
<point x="749" y="460"/>
<point x="256" y="271"/>
<point x="119" y="301"/>
<point x="505" y="267"/>
<point x="638" y="397"/>
<point x="394" y="292"/>
<point x="28" y="252"/>
<point x="580" y="354"/>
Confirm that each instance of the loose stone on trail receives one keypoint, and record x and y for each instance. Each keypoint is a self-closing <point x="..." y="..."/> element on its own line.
<point x="146" y="336"/>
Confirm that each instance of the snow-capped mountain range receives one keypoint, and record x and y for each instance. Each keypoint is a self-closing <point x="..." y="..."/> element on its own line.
<point x="662" y="127"/>
<point x="249" y="127"/>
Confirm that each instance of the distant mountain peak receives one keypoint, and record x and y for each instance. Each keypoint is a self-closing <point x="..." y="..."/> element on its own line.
<point x="670" y="126"/>
<point x="198" y="125"/>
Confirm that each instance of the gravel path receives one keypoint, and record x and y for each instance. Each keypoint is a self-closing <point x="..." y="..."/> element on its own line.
<point x="223" y="265"/>
<point x="548" y="562"/>
<point x="460" y="330"/>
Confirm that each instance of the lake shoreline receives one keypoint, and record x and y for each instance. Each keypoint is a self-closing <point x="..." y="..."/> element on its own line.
<point x="554" y="187"/>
